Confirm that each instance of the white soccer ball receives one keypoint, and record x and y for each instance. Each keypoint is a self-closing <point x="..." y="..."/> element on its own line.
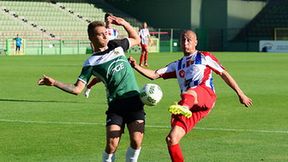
<point x="151" y="94"/>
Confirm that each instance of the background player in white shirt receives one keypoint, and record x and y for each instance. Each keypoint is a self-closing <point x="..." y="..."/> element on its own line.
<point x="111" y="32"/>
<point x="145" y="40"/>
<point x="194" y="74"/>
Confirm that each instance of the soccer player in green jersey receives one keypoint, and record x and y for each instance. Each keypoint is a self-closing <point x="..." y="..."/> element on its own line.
<point x="109" y="64"/>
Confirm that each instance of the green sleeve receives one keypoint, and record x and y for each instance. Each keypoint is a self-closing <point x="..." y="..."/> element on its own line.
<point x="85" y="74"/>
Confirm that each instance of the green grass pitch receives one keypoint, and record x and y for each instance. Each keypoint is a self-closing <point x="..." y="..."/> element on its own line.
<point x="44" y="124"/>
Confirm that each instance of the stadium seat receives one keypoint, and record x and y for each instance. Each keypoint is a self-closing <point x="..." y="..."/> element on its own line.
<point x="273" y="15"/>
<point x="34" y="19"/>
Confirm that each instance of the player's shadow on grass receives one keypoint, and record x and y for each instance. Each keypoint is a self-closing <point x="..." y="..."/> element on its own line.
<point x="27" y="100"/>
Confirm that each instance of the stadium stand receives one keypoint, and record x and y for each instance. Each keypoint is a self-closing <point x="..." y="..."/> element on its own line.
<point x="88" y="12"/>
<point x="53" y="19"/>
<point x="274" y="15"/>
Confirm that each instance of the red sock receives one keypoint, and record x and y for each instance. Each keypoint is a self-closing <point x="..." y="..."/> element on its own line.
<point x="187" y="100"/>
<point x="141" y="58"/>
<point x="146" y="57"/>
<point x="176" y="153"/>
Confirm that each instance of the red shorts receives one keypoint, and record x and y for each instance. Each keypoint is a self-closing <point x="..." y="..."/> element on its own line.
<point x="206" y="100"/>
<point x="144" y="47"/>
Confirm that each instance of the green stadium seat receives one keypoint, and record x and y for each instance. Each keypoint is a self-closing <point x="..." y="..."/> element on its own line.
<point x="273" y="15"/>
<point x="56" y="21"/>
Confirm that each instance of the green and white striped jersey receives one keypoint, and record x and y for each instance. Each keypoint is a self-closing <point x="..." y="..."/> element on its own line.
<point x="113" y="68"/>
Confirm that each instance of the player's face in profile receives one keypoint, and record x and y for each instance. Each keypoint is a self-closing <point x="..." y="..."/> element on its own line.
<point x="188" y="42"/>
<point x="100" y="36"/>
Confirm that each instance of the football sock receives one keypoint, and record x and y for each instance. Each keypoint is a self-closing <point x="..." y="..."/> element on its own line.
<point x="132" y="154"/>
<point x="108" y="157"/>
<point x="176" y="153"/>
<point x="146" y="57"/>
<point x="141" y="59"/>
<point x="187" y="100"/>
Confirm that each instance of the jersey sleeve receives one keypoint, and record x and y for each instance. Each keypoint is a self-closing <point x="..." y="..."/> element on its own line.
<point x="168" y="72"/>
<point x="85" y="74"/>
<point x="124" y="43"/>
<point x="213" y="63"/>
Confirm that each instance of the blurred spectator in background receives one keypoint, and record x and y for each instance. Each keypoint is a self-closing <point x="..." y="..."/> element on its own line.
<point x="18" y="43"/>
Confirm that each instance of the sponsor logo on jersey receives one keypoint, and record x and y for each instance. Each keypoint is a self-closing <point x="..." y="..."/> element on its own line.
<point x="115" y="67"/>
<point x="182" y="73"/>
<point x="118" y="68"/>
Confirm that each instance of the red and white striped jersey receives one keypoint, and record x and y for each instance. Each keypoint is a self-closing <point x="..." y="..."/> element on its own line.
<point x="193" y="70"/>
<point x="112" y="33"/>
<point x="144" y="35"/>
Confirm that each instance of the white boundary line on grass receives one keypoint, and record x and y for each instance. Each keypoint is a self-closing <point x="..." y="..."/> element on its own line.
<point x="149" y="126"/>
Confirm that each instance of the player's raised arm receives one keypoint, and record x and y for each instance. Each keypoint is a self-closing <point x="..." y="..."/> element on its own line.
<point x="132" y="33"/>
<point x="151" y="74"/>
<point x="233" y="84"/>
<point x="69" y="88"/>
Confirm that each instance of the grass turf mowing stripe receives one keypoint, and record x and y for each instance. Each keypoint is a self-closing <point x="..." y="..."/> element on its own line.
<point x="149" y="126"/>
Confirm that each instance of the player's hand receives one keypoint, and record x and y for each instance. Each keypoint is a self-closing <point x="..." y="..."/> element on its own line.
<point x="132" y="61"/>
<point x="246" y="100"/>
<point x="117" y="20"/>
<point x="150" y="42"/>
<point x="45" y="80"/>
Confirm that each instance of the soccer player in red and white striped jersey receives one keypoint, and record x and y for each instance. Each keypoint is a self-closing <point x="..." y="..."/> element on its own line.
<point x="145" y="39"/>
<point x="111" y="32"/>
<point x="194" y="74"/>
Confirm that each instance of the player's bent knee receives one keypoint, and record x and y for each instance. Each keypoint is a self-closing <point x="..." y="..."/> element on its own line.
<point x="171" y="140"/>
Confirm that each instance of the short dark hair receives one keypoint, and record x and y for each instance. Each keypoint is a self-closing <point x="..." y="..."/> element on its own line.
<point x="188" y="30"/>
<point x="92" y="26"/>
<point x="107" y="15"/>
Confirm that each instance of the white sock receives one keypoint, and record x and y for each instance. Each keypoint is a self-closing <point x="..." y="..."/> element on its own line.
<point x="108" y="157"/>
<point x="132" y="155"/>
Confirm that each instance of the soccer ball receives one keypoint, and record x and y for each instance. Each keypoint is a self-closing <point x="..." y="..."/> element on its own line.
<point x="151" y="94"/>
